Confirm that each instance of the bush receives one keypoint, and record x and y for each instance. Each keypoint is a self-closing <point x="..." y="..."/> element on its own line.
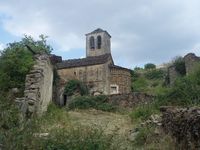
<point x="140" y="85"/>
<point x="184" y="92"/>
<point x="179" y="64"/>
<point x="97" y="102"/>
<point x="145" y="134"/>
<point x="143" y="112"/>
<point x="75" y="86"/>
<point x="66" y="136"/>
<point x="155" y="74"/>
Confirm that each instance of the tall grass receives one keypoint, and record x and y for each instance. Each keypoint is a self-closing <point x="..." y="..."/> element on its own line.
<point x="61" y="134"/>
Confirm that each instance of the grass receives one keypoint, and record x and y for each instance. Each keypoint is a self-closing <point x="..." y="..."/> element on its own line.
<point x="143" y="112"/>
<point x="96" y="102"/>
<point x="79" y="130"/>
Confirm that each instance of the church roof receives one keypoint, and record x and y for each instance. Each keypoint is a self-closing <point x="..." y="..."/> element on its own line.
<point x="118" y="67"/>
<point x="95" y="60"/>
<point x="98" y="30"/>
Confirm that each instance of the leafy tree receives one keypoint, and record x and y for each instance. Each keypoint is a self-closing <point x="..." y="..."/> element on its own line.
<point x="137" y="68"/>
<point x="16" y="61"/>
<point x="149" y="66"/>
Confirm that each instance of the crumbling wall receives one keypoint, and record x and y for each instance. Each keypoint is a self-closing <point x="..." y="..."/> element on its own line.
<point x="173" y="74"/>
<point x="38" y="87"/>
<point x="130" y="100"/>
<point x="191" y="61"/>
<point x="184" y="126"/>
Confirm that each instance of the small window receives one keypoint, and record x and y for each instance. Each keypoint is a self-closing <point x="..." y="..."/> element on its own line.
<point x="99" y="42"/>
<point x="114" y="89"/>
<point x="92" y="46"/>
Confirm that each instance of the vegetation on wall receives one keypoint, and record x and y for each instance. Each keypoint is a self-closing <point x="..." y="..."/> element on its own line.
<point x="150" y="81"/>
<point x="75" y="86"/>
<point x="179" y="64"/>
<point x="15" y="62"/>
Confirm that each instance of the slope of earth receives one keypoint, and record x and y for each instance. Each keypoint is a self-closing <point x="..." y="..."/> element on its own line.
<point x="118" y="125"/>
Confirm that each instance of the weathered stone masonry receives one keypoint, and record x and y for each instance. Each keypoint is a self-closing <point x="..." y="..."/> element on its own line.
<point x="38" y="87"/>
<point x="191" y="62"/>
<point x="97" y="70"/>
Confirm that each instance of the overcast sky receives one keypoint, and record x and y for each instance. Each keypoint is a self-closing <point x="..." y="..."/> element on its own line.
<point x="142" y="30"/>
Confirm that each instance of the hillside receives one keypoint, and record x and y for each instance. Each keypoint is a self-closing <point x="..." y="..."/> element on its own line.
<point x="88" y="122"/>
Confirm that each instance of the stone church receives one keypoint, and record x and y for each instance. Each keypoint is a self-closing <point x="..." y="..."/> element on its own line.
<point x="97" y="70"/>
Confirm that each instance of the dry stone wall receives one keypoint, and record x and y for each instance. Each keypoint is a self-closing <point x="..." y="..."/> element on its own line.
<point x="38" y="87"/>
<point x="130" y="100"/>
<point x="184" y="126"/>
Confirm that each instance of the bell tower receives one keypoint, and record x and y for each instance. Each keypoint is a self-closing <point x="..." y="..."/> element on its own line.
<point x="98" y="43"/>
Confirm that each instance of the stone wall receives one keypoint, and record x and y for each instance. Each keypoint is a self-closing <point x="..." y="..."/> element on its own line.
<point x="38" y="87"/>
<point x="183" y="124"/>
<point x="94" y="76"/>
<point x="130" y="100"/>
<point x="173" y="74"/>
<point x="191" y="61"/>
<point x="122" y="79"/>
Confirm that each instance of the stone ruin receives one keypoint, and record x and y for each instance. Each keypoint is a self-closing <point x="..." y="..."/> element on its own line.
<point x="38" y="87"/>
<point x="191" y="61"/>
<point x="183" y="124"/>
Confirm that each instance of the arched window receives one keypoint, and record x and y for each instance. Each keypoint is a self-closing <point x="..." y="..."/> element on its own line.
<point x="92" y="46"/>
<point x="99" y="42"/>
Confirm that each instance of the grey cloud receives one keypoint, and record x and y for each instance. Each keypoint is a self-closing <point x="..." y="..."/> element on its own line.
<point x="142" y="31"/>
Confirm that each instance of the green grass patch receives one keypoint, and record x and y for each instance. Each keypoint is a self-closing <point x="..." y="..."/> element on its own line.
<point x="143" y="112"/>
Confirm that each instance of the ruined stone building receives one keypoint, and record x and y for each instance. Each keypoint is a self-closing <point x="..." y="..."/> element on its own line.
<point x="191" y="62"/>
<point x="97" y="70"/>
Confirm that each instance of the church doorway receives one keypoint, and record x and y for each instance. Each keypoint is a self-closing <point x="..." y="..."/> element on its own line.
<point x="64" y="99"/>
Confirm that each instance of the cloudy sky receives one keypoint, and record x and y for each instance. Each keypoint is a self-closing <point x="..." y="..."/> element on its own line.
<point x="142" y="30"/>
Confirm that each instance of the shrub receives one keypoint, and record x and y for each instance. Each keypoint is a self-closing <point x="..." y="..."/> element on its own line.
<point x="66" y="136"/>
<point x="144" y="134"/>
<point x="134" y="75"/>
<point x="149" y="66"/>
<point x="155" y="74"/>
<point x="143" y="112"/>
<point x="179" y="64"/>
<point x="106" y="107"/>
<point x="82" y="102"/>
<point x="97" y="102"/>
<point x="184" y="92"/>
<point x="74" y="86"/>
<point x="140" y="85"/>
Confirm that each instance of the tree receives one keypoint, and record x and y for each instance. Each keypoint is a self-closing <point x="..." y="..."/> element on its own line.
<point x="149" y="66"/>
<point x="16" y="61"/>
<point x="179" y="64"/>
